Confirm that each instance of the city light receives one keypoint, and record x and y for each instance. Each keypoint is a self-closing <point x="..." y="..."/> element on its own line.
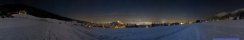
<point x="182" y="23"/>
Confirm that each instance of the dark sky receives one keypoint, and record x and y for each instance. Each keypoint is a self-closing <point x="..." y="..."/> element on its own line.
<point x="110" y="10"/>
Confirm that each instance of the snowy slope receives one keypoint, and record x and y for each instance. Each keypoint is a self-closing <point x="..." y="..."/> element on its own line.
<point x="25" y="27"/>
<point x="202" y="31"/>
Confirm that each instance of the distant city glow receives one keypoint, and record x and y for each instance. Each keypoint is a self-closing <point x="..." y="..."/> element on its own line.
<point x="182" y="23"/>
<point x="132" y="20"/>
<point x="142" y="23"/>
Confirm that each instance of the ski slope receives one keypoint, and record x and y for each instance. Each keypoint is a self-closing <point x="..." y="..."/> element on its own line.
<point x="25" y="27"/>
<point x="201" y="31"/>
<point x="31" y="28"/>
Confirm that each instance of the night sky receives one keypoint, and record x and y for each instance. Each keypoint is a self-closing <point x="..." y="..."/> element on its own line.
<point x="133" y="10"/>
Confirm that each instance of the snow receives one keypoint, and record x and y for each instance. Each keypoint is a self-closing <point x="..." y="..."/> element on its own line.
<point x="201" y="31"/>
<point x="26" y="27"/>
<point x="38" y="29"/>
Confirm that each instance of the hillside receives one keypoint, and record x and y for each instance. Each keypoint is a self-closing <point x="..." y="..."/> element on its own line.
<point x="24" y="27"/>
<point x="8" y="9"/>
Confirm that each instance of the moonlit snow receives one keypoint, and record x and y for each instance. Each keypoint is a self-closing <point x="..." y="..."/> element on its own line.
<point x="26" y="27"/>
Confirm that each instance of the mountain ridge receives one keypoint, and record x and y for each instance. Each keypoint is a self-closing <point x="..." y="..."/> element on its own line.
<point x="32" y="11"/>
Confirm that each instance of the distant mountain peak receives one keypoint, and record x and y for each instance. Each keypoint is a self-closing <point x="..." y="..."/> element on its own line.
<point x="10" y="8"/>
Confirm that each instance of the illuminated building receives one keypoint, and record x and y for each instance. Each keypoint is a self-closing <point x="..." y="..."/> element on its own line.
<point x="117" y="24"/>
<point x="22" y="12"/>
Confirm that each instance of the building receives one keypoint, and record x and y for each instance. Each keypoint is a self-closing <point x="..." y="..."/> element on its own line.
<point x="117" y="24"/>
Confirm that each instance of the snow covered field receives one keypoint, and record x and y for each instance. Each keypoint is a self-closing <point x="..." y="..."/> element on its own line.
<point x="25" y="27"/>
<point x="201" y="31"/>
